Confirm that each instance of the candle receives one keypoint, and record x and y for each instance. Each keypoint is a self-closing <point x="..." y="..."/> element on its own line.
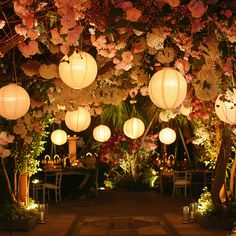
<point x="192" y="215"/>
<point x="41" y="216"/>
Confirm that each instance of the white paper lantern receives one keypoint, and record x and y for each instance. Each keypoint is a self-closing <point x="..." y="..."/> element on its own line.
<point x="14" y="101"/>
<point x="78" y="120"/>
<point x="79" y="70"/>
<point x="59" y="137"/>
<point x="134" y="128"/>
<point x="167" y="88"/>
<point x="167" y="136"/>
<point x="225" y="107"/>
<point x="101" y="133"/>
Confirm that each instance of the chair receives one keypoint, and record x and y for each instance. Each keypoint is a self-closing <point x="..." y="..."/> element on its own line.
<point x="182" y="181"/>
<point x="56" y="187"/>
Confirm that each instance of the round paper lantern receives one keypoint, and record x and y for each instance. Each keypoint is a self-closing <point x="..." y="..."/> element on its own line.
<point x="78" y="120"/>
<point x="79" y="70"/>
<point x="167" y="136"/>
<point x="14" y="101"/>
<point x="134" y="128"/>
<point x="59" y="137"/>
<point x="225" y="107"/>
<point x="167" y="88"/>
<point x="101" y="133"/>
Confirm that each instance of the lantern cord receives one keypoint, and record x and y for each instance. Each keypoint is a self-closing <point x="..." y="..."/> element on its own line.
<point x="14" y="65"/>
<point x="150" y="124"/>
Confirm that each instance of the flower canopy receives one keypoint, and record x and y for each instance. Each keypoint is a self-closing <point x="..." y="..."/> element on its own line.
<point x="130" y="41"/>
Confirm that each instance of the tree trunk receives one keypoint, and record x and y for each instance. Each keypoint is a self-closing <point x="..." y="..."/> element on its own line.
<point x="232" y="179"/>
<point x="24" y="188"/>
<point x="12" y="196"/>
<point x="220" y="171"/>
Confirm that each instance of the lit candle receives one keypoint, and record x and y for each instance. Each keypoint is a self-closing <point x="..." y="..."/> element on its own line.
<point x="41" y="216"/>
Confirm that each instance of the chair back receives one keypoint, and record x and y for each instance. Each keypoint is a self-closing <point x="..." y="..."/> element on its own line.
<point x="58" y="179"/>
<point x="182" y="177"/>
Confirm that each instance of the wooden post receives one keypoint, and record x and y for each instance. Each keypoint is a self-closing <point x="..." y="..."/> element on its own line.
<point x="72" y="148"/>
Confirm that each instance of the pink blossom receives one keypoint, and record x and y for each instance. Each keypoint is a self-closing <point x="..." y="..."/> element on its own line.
<point x="172" y="3"/>
<point x="21" y="10"/>
<point x="32" y="34"/>
<point x="227" y="13"/>
<point x="29" y="49"/>
<point x="2" y="24"/>
<point x="182" y="65"/>
<point x="133" y="14"/>
<point x="140" y="46"/>
<point x="67" y="22"/>
<point x="20" y="30"/>
<point x="197" y="8"/>
<point x="127" y="57"/>
<point x="28" y="21"/>
<point x="100" y="42"/>
<point x="26" y="2"/>
<point x="126" y="5"/>
<point x="5" y="153"/>
<point x="74" y="35"/>
<point x="65" y="49"/>
<point x="56" y="38"/>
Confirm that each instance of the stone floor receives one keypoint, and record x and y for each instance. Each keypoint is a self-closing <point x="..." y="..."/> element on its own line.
<point x="120" y="214"/>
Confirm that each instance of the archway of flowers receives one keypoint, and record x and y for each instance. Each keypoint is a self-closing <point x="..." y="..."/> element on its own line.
<point x="130" y="41"/>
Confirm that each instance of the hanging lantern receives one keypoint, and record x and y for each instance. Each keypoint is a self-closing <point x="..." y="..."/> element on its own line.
<point x="134" y="128"/>
<point x="59" y="137"/>
<point x="225" y="107"/>
<point x="78" y="120"/>
<point x="14" y="101"/>
<point x="101" y="133"/>
<point x="79" y="70"/>
<point x="167" y="88"/>
<point x="167" y="136"/>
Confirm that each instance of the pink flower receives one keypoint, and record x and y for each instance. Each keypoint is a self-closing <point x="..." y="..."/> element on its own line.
<point x="126" y="6"/>
<point x="32" y="34"/>
<point x="2" y="24"/>
<point x="140" y="46"/>
<point x="65" y="49"/>
<point x="56" y="38"/>
<point x="127" y="57"/>
<point x="172" y="3"/>
<point x="28" y="22"/>
<point x="74" y="35"/>
<point x="182" y="65"/>
<point x="29" y="49"/>
<point x="20" y="30"/>
<point x="133" y="14"/>
<point x="197" y="8"/>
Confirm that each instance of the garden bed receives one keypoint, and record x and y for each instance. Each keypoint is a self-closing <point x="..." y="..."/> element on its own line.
<point x="19" y="224"/>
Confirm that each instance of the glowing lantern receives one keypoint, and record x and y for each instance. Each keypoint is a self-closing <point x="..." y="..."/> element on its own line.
<point x="134" y="128"/>
<point x="167" y="88"/>
<point x="78" y="120"/>
<point x="79" y="70"/>
<point x="101" y="133"/>
<point x="14" y="101"/>
<point x="225" y="107"/>
<point x="59" y="137"/>
<point x="167" y="136"/>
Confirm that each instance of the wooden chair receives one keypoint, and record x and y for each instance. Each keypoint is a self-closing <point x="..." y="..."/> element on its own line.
<point x="182" y="181"/>
<point x="56" y="187"/>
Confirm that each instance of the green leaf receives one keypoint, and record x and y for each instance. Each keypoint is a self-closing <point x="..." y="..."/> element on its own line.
<point x="139" y="26"/>
<point x="120" y="23"/>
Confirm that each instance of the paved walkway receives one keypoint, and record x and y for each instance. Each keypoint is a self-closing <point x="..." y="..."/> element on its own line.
<point x="120" y="214"/>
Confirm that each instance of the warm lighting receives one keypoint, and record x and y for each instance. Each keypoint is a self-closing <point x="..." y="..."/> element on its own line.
<point x="167" y="88"/>
<point x="14" y="101"/>
<point x="59" y="137"/>
<point x="78" y="120"/>
<point x="79" y="70"/>
<point x="167" y="136"/>
<point x="225" y="107"/>
<point x="134" y="128"/>
<point x="101" y="133"/>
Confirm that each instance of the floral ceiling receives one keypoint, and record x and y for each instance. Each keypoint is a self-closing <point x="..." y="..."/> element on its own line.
<point x="130" y="41"/>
